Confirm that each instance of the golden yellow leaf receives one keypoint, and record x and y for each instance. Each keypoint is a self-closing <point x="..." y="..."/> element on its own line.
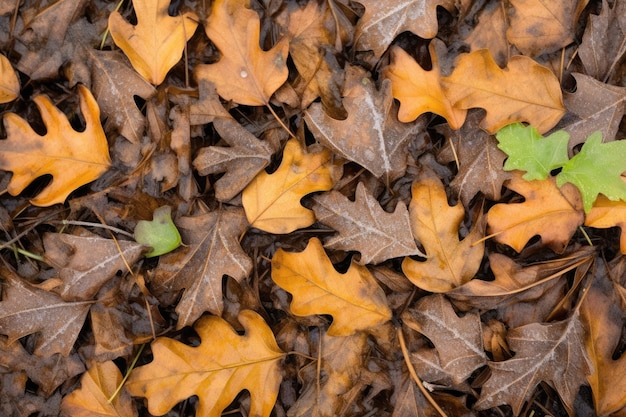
<point x="354" y="299"/>
<point x="450" y="262"/>
<point x="245" y="74"/>
<point x="420" y="91"/>
<point x="97" y="385"/>
<point x="272" y="201"/>
<point x="9" y="84"/>
<point x="222" y="366"/>
<point x="72" y="158"/>
<point x="157" y="42"/>
<point x="606" y="213"/>
<point x="522" y="92"/>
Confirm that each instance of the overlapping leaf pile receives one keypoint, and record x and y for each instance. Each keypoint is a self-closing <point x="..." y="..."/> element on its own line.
<point x="349" y="235"/>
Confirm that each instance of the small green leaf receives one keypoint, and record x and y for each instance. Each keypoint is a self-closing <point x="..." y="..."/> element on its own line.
<point x="160" y="234"/>
<point x="529" y="151"/>
<point x="597" y="168"/>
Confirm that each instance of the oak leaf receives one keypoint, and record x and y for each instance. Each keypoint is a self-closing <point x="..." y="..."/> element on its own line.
<point x="97" y="385"/>
<point x="450" y="262"/>
<point x="365" y="227"/>
<point x="354" y="299"/>
<point x="550" y="212"/>
<point x="9" y="84"/>
<point x="72" y="158"/>
<point x="606" y="213"/>
<point x="490" y="32"/>
<point x="224" y="364"/>
<point x="157" y="42"/>
<point x="245" y="73"/>
<point x="211" y="251"/>
<point x="371" y="136"/>
<point x="272" y="201"/>
<point x="553" y="353"/>
<point x="420" y="91"/>
<point x="523" y="92"/>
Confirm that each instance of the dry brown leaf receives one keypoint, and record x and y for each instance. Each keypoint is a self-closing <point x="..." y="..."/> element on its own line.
<point x="97" y="385"/>
<point x="223" y="365"/>
<point x="606" y="213"/>
<point x="9" y="84"/>
<point x="157" y="42"/>
<point x="72" y="158"/>
<point x="522" y="92"/>
<point x="550" y="212"/>
<point x="272" y="201"/>
<point x="542" y="26"/>
<point x="420" y="91"/>
<point x="245" y="73"/>
<point x="371" y="136"/>
<point x="365" y="227"/>
<point x="354" y="299"/>
<point x="490" y="32"/>
<point x="450" y="262"/>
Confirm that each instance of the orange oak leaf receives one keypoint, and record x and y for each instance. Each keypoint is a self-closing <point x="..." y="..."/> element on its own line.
<point x="272" y="201"/>
<point x="245" y="73"/>
<point x="223" y="365"/>
<point x="420" y="91"/>
<point x="157" y="42"/>
<point x="450" y="262"/>
<point x="9" y="84"/>
<point x="97" y="385"/>
<point x="606" y="213"/>
<point x="522" y="92"/>
<point x="354" y="299"/>
<point x="550" y="212"/>
<point x="72" y="158"/>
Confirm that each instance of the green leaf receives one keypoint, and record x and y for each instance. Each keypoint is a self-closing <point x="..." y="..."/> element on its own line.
<point x="529" y="151"/>
<point x="597" y="168"/>
<point x="160" y="234"/>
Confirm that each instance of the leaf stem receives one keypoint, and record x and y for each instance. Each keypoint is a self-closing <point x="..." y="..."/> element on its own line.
<point x="279" y="120"/>
<point x="128" y="371"/>
<point x="103" y="226"/>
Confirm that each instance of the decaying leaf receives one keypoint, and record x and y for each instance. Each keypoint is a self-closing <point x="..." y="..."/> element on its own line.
<point x="245" y="73"/>
<point x="223" y="365"/>
<point x="272" y="201"/>
<point x="364" y="226"/>
<point x="72" y="158"/>
<point x="490" y="32"/>
<point x="522" y="92"/>
<point x="157" y="42"/>
<point x="550" y="212"/>
<point x="9" y="84"/>
<point x="606" y="213"/>
<point x="450" y="262"/>
<point x="354" y="299"/>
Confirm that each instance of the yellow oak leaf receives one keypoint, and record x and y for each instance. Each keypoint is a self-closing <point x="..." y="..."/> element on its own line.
<point x="9" y="84"/>
<point x="450" y="262"/>
<point x="550" y="212"/>
<point x="97" y="385"/>
<point x="272" y="201"/>
<point x="522" y="92"/>
<point x="223" y="365"/>
<point x="157" y="42"/>
<point x="354" y="299"/>
<point x="245" y="73"/>
<point x="606" y="213"/>
<point x="420" y="91"/>
<point x="72" y="158"/>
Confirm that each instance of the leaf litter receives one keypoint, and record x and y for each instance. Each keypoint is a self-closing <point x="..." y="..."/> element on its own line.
<point x="348" y="236"/>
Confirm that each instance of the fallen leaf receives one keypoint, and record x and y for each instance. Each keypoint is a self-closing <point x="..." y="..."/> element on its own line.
<point x="552" y="353"/>
<point x="354" y="299"/>
<point x="224" y="364"/>
<point x="522" y="92"/>
<point x="365" y="227"/>
<point x="97" y="385"/>
<point x="550" y="212"/>
<point x="450" y="262"/>
<point x="539" y="27"/>
<point x="26" y="309"/>
<point x="382" y="22"/>
<point x="160" y="233"/>
<point x="9" y="84"/>
<point x="371" y="136"/>
<point x="72" y="158"/>
<point x="211" y="251"/>
<point x="606" y="213"/>
<point x="157" y="42"/>
<point x="272" y="201"/>
<point x="245" y="73"/>
<point x="420" y="91"/>
<point x="490" y="32"/>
